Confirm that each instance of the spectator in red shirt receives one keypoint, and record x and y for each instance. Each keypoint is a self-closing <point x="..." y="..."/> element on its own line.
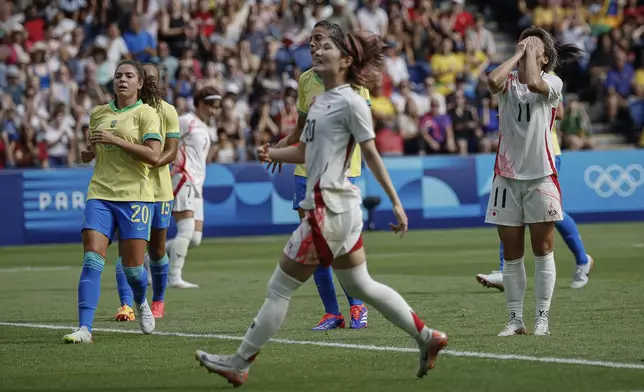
<point x="461" y="19"/>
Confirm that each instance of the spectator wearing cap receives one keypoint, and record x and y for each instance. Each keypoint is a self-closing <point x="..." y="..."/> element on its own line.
<point x="139" y="42"/>
<point x="373" y="18"/>
<point x="39" y="66"/>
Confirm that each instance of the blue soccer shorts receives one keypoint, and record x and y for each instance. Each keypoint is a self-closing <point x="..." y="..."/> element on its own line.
<point x="162" y="214"/>
<point x="132" y="218"/>
<point x="299" y="190"/>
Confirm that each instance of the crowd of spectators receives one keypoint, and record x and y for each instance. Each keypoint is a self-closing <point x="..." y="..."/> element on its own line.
<point x="57" y="58"/>
<point x="609" y="79"/>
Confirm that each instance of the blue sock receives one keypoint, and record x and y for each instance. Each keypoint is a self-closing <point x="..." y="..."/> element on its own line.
<point x="352" y="301"/>
<point x="568" y="230"/>
<point x="137" y="277"/>
<point x="89" y="288"/>
<point x="123" y="287"/>
<point x="501" y="257"/>
<point x="159" y="270"/>
<point x="324" y="282"/>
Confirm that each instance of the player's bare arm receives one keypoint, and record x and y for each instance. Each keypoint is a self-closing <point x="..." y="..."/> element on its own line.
<point x="148" y="152"/>
<point x="291" y="154"/>
<point x="88" y="154"/>
<point x="169" y="153"/>
<point x="533" y="53"/>
<point x="289" y="140"/>
<point x="377" y="167"/>
<point x="496" y="79"/>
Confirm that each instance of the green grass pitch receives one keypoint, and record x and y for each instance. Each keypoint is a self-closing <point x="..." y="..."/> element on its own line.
<point x="599" y="325"/>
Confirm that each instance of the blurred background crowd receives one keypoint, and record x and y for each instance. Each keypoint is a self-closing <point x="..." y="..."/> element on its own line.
<point x="57" y="58"/>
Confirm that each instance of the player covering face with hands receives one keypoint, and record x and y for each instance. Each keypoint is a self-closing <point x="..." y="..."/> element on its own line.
<point x="332" y="225"/>
<point x="525" y="190"/>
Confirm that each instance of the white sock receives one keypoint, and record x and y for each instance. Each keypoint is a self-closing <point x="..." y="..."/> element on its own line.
<point x="545" y="275"/>
<point x="270" y="317"/>
<point x="514" y="282"/>
<point x="180" y="244"/>
<point x="359" y="284"/>
<point x="195" y="241"/>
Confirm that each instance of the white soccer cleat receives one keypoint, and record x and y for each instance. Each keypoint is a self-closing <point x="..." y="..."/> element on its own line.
<point x="514" y="327"/>
<point x="495" y="279"/>
<point x="80" y="335"/>
<point x="582" y="273"/>
<point x="541" y="327"/>
<point x="179" y="283"/>
<point x="223" y="365"/>
<point x="145" y="317"/>
<point x="429" y="352"/>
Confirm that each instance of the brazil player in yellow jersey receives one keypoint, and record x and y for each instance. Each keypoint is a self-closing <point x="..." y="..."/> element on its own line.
<point x="567" y="228"/>
<point x="310" y="86"/>
<point x="160" y="214"/>
<point x="125" y="137"/>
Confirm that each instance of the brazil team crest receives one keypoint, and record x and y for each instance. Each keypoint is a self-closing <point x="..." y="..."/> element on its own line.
<point x="113" y="124"/>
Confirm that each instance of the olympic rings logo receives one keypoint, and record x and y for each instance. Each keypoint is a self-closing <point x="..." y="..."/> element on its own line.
<point x="614" y="179"/>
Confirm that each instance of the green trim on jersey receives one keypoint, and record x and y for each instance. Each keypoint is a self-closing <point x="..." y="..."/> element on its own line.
<point x="125" y="109"/>
<point x="173" y="135"/>
<point x="153" y="136"/>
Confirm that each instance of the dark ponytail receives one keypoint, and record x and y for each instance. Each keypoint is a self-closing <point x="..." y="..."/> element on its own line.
<point x="366" y="49"/>
<point x="150" y="93"/>
<point x="555" y="53"/>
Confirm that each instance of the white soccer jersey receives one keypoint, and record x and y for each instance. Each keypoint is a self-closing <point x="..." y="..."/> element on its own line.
<point x="192" y="156"/>
<point x="336" y="121"/>
<point x="525" y="141"/>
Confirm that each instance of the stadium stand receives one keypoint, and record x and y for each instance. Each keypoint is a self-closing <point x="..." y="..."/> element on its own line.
<point x="57" y="59"/>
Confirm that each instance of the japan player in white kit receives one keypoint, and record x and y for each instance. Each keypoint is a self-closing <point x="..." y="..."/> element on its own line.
<point x="525" y="190"/>
<point x="188" y="176"/>
<point x="333" y="222"/>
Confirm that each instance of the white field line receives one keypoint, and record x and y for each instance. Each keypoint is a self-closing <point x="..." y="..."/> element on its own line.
<point x="34" y="269"/>
<point x="455" y="353"/>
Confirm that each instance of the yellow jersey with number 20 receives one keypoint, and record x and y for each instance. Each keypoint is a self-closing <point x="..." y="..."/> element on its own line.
<point x="310" y="86"/>
<point x="160" y="177"/>
<point x="117" y="175"/>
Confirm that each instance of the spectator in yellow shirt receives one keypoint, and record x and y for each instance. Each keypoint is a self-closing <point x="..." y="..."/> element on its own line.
<point x="446" y="65"/>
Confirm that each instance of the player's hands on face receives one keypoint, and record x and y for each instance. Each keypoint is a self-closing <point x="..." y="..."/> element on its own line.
<point x="521" y="46"/>
<point x="401" y="218"/>
<point x="263" y="153"/>
<point x="104" y="137"/>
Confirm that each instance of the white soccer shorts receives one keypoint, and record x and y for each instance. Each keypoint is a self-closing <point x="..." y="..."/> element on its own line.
<point x="323" y="236"/>
<point x="186" y="198"/>
<point x="521" y="202"/>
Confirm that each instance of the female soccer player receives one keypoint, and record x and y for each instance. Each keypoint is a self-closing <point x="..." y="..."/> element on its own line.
<point x="125" y="135"/>
<point x="188" y="177"/>
<point x="156" y="257"/>
<point x="567" y="228"/>
<point x="309" y="87"/>
<point x="333" y="223"/>
<point x="525" y="190"/>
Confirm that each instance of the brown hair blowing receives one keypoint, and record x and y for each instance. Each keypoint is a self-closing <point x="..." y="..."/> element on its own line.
<point x="555" y="53"/>
<point x="366" y="49"/>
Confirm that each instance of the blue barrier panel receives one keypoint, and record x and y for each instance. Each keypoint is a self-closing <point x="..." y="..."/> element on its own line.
<point x="43" y="206"/>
